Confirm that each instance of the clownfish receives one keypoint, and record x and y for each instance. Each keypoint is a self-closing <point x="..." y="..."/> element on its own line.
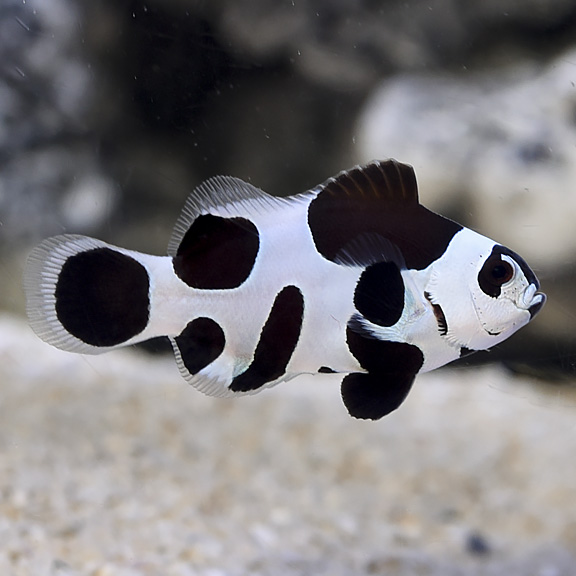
<point x="354" y="276"/>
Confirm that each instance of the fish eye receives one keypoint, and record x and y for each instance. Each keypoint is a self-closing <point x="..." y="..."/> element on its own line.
<point x="494" y="274"/>
<point x="502" y="273"/>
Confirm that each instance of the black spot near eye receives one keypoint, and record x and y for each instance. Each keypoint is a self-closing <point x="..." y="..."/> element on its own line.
<point x="494" y="274"/>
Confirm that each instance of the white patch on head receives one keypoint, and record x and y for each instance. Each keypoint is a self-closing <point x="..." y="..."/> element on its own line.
<point x="475" y="319"/>
<point x="492" y="312"/>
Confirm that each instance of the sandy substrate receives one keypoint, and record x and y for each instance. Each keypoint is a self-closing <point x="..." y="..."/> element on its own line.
<point x="112" y="465"/>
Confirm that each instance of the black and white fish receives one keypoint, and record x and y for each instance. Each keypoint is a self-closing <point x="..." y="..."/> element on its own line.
<point x="354" y="277"/>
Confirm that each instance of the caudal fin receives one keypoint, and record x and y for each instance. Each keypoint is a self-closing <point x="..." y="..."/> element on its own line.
<point x="86" y="296"/>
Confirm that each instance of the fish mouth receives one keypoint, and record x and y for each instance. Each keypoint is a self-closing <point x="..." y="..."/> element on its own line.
<point x="539" y="301"/>
<point x="439" y="315"/>
<point x="532" y="300"/>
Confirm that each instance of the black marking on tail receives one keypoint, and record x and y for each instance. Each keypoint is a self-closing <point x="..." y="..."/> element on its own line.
<point x="102" y="297"/>
<point x="217" y="253"/>
<point x="277" y="343"/>
<point x="200" y="343"/>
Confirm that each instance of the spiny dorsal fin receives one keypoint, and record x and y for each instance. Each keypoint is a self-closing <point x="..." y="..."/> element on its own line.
<point x="381" y="180"/>
<point x="380" y="198"/>
<point x="216" y="193"/>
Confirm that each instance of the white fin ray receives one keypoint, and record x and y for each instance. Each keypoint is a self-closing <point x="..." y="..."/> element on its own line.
<point x="217" y="193"/>
<point x="370" y="248"/>
<point x="216" y="378"/>
<point x="214" y="384"/>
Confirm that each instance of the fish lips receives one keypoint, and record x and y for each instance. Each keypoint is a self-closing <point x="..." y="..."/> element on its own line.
<point x="538" y="301"/>
<point x="532" y="300"/>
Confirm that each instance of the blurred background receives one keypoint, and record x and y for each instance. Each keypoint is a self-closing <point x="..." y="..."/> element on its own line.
<point x="112" y="111"/>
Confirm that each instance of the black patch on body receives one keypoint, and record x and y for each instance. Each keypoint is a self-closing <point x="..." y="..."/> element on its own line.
<point x="380" y="198"/>
<point x="466" y="352"/>
<point x="277" y="343"/>
<point x="391" y="367"/>
<point x="217" y="253"/>
<point x="379" y="294"/>
<point x="200" y="343"/>
<point x="102" y="297"/>
<point x="326" y="370"/>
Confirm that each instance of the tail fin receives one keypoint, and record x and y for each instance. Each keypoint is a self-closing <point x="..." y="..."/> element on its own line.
<point x="83" y="295"/>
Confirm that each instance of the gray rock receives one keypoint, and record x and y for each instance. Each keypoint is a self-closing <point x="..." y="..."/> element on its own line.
<point x="50" y="175"/>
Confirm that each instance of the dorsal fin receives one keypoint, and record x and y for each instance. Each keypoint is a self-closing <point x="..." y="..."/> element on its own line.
<point x="380" y="181"/>
<point x="214" y="193"/>
<point x="381" y="199"/>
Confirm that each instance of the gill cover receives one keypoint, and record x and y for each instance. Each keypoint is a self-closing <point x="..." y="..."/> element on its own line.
<point x="485" y="291"/>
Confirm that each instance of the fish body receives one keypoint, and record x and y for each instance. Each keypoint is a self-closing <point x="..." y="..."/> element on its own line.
<point x="354" y="276"/>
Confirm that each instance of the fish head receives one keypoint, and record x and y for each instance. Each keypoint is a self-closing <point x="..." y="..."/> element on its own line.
<point x="482" y="292"/>
<point x="506" y="294"/>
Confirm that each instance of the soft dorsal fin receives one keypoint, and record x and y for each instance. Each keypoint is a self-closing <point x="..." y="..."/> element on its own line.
<point x="214" y="193"/>
<point x="381" y="181"/>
